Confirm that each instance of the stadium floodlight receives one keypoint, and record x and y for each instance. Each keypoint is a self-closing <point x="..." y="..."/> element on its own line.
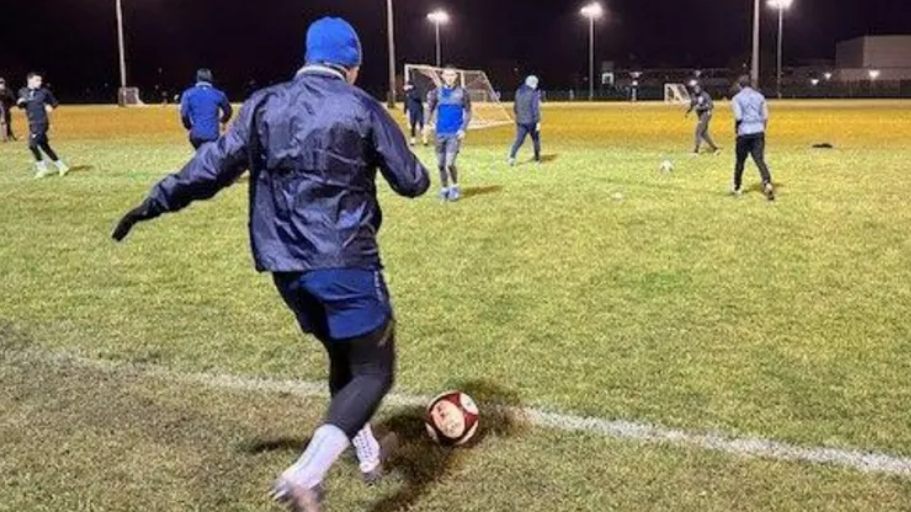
<point x="874" y="74"/>
<point x="828" y="76"/>
<point x="781" y="6"/>
<point x="814" y="82"/>
<point x="439" y="17"/>
<point x="592" y="11"/>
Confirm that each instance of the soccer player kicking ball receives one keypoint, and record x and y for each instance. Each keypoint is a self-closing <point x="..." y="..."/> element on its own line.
<point x="38" y="102"/>
<point x="751" y="115"/>
<point x="704" y="106"/>
<point x="528" y="118"/>
<point x="313" y="147"/>
<point x="451" y="105"/>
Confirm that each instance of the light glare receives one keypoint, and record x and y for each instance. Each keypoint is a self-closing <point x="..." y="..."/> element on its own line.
<point x="593" y="10"/>
<point x="440" y="17"/>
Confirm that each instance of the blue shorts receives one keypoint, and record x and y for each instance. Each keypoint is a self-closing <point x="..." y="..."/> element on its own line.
<point x="336" y="304"/>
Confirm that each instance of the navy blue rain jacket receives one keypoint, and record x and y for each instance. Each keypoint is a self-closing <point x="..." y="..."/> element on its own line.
<point x="202" y="109"/>
<point x="313" y="147"/>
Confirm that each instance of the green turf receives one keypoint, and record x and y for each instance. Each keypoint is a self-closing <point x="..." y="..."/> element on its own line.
<point x="593" y="284"/>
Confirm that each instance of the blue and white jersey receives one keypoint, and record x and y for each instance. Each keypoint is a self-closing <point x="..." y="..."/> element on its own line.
<point x="452" y="107"/>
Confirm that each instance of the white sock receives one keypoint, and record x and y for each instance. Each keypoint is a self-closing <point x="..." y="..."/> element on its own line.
<point x="367" y="448"/>
<point x="60" y="164"/>
<point x="327" y="445"/>
<point x="42" y="165"/>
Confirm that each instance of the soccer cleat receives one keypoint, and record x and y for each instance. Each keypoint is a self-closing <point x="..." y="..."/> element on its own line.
<point x="426" y="142"/>
<point x="373" y="475"/>
<point x="736" y="192"/>
<point x="297" y="498"/>
<point x="62" y="168"/>
<point x="455" y="193"/>
<point x="716" y="151"/>
<point x="444" y="194"/>
<point x="413" y="142"/>
<point x="43" y="170"/>
<point x="769" y="190"/>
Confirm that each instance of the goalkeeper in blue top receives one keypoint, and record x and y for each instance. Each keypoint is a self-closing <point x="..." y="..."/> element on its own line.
<point x="451" y="105"/>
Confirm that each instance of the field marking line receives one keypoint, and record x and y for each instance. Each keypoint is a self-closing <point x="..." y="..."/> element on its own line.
<point x="870" y="462"/>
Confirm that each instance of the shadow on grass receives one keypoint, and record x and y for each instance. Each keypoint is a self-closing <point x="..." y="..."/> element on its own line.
<point x="259" y="446"/>
<point x="421" y="463"/>
<point x="82" y="168"/>
<point x="549" y="158"/>
<point x="471" y="192"/>
<point x="757" y="187"/>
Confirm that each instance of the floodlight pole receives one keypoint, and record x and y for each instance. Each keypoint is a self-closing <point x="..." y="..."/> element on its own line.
<point x="123" y="58"/>
<point x="436" y="24"/>
<point x="591" y="58"/>
<point x="390" y="22"/>
<point x="754" y="75"/>
<point x="780" y="44"/>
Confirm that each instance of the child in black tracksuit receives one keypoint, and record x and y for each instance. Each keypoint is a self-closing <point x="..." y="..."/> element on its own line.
<point x="38" y="102"/>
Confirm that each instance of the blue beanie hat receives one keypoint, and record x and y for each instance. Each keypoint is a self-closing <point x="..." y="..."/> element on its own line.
<point x="333" y="41"/>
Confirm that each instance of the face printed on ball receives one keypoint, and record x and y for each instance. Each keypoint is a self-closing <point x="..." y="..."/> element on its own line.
<point x="448" y="418"/>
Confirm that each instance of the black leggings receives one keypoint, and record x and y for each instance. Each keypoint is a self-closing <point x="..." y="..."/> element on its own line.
<point x="361" y="373"/>
<point x="38" y="142"/>
<point x="751" y="145"/>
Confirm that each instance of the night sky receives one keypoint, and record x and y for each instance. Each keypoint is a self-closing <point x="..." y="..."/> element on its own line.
<point x="74" y="41"/>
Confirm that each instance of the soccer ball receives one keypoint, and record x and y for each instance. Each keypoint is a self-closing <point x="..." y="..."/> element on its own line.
<point x="667" y="166"/>
<point x="452" y="419"/>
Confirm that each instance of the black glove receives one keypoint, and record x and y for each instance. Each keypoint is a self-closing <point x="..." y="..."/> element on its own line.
<point x="142" y="213"/>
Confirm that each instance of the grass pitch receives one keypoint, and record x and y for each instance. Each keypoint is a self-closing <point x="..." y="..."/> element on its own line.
<point x="593" y="284"/>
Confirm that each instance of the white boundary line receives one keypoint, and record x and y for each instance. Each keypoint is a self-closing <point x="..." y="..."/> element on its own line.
<point x="747" y="447"/>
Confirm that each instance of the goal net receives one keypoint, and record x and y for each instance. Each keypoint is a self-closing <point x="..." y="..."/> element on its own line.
<point x="486" y="108"/>
<point x="129" y="97"/>
<point x="676" y="94"/>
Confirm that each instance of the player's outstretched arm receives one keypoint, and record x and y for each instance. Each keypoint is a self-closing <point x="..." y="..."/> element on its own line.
<point x="215" y="167"/>
<point x="404" y="172"/>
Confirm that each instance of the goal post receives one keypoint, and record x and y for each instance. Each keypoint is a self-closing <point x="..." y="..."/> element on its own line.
<point x="486" y="109"/>
<point x="676" y="94"/>
<point x="129" y="97"/>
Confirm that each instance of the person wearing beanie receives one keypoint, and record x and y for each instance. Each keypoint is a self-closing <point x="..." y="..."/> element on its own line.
<point x="527" y="108"/>
<point x="703" y="105"/>
<point x="313" y="147"/>
<point x="204" y="109"/>
<point x="451" y="105"/>
<point x="7" y="102"/>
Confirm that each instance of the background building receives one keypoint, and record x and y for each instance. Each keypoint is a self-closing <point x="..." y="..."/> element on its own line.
<point x="886" y="58"/>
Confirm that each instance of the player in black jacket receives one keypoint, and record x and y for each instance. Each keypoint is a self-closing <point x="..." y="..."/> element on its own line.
<point x="38" y="102"/>
<point x="7" y="102"/>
